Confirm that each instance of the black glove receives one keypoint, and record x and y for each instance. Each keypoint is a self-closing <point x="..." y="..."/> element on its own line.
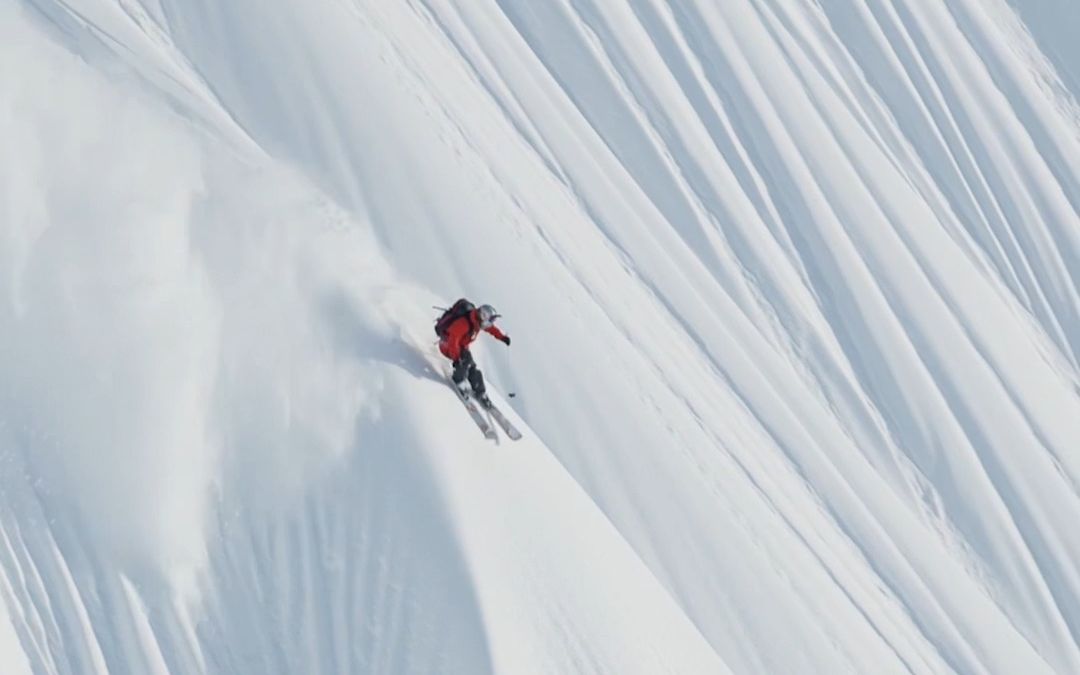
<point x="506" y="339"/>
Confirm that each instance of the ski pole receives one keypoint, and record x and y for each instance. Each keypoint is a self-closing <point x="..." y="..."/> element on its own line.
<point x="509" y="367"/>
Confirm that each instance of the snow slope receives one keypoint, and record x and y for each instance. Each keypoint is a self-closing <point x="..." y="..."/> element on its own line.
<point x="792" y="288"/>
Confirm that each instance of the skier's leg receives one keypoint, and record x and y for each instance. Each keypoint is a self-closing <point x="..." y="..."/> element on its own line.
<point x="461" y="366"/>
<point x="476" y="379"/>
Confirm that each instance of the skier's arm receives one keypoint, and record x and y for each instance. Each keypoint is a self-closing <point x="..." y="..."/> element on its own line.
<point x="498" y="334"/>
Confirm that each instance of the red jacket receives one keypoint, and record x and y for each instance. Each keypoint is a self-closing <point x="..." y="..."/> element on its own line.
<point x="461" y="333"/>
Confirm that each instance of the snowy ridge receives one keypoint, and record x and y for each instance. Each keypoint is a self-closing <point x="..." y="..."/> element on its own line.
<point x="793" y="293"/>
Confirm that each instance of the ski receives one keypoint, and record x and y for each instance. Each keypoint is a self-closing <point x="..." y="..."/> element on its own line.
<point x="474" y="412"/>
<point x="508" y="428"/>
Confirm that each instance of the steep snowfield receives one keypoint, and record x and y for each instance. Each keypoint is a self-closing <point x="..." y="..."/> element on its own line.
<point x="793" y="289"/>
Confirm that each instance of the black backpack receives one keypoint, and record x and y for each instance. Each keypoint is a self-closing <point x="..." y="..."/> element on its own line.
<point x="459" y="309"/>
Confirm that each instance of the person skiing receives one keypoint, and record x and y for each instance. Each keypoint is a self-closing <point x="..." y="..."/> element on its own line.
<point x="457" y="328"/>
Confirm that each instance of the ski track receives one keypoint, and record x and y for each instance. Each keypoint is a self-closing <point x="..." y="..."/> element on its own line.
<point x="794" y="296"/>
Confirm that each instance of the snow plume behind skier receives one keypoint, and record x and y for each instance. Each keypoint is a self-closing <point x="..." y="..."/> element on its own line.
<point x="457" y="328"/>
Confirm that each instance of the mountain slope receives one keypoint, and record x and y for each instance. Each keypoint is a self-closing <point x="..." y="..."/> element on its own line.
<point x="793" y="292"/>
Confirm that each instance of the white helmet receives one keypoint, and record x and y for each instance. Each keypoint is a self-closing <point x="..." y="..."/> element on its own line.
<point x="487" y="315"/>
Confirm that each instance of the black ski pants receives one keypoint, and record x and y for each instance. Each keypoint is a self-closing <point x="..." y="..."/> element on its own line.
<point x="465" y="367"/>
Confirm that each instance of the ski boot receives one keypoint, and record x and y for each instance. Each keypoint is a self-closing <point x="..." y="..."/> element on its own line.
<point x="483" y="400"/>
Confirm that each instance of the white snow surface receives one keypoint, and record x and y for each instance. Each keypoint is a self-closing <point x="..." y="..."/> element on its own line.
<point x="794" y="294"/>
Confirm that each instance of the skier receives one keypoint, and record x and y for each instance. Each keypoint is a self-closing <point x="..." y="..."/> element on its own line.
<point x="457" y="328"/>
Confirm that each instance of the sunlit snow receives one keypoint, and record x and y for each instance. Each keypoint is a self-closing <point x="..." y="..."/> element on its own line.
<point x="794" y="293"/>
